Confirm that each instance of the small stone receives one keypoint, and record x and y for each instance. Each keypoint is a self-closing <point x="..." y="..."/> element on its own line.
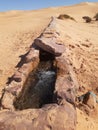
<point x="32" y="55"/>
<point x="91" y="102"/>
<point x="7" y="101"/>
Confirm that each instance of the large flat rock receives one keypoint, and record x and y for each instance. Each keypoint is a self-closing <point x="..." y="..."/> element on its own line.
<point x="50" y="40"/>
<point x="50" y="117"/>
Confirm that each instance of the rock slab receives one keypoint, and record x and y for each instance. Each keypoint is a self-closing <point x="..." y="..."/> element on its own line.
<point x="50" y="40"/>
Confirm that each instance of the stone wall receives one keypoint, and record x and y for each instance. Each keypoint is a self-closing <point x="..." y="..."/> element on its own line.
<point x="61" y="113"/>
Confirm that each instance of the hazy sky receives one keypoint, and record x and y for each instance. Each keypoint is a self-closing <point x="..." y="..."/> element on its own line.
<point x="35" y="4"/>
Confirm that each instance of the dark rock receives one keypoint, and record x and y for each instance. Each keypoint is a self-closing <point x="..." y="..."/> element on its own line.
<point x="87" y="103"/>
<point x="90" y="100"/>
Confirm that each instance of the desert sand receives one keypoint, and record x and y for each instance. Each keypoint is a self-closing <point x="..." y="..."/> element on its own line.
<point x="18" y="29"/>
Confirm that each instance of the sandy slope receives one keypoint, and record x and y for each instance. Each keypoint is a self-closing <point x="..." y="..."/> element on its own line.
<point x="18" y="29"/>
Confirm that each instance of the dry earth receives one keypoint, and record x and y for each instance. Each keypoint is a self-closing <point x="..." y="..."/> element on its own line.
<point x="18" y="29"/>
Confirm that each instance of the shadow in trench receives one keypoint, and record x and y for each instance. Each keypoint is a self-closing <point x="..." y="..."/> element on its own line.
<point x="40" y="85"/>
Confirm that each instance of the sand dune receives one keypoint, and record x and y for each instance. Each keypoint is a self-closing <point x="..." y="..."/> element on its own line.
<point x="18" y="29"/>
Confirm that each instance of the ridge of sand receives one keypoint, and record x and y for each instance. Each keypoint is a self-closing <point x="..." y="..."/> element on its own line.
<point x="87" y="3"/>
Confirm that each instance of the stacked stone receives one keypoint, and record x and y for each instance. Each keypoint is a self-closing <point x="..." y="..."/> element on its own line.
<point x="60" y="115"/>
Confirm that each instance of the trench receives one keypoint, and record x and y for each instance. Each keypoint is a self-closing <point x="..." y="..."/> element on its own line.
<point x="39" y="87"/>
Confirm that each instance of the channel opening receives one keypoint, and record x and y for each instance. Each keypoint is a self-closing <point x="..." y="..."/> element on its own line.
<point x="39" y="87"/>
